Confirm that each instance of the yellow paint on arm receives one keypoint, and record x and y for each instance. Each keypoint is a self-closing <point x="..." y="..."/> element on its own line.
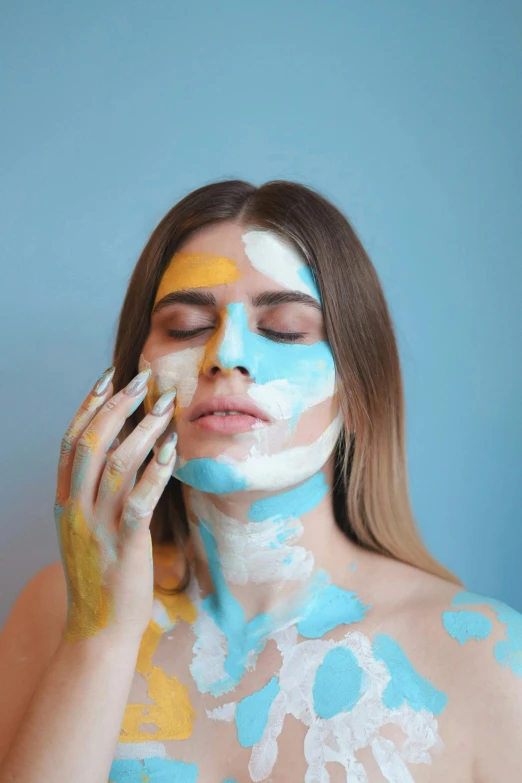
<point x="196" y="270"/>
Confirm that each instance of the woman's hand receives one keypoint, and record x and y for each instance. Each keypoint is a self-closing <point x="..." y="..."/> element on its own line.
<point x="103" y="516"/>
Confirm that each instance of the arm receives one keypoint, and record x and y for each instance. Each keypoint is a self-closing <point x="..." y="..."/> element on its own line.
<point x="70" y="728"/>
<point x="63" y="702"/>
<point x="72" y="725"/>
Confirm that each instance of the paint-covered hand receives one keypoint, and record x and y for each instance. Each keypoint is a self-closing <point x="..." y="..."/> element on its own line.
<point x="103" y="514"/>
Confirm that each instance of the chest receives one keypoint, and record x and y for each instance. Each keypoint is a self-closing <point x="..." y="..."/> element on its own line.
<point x="347" y="707"/>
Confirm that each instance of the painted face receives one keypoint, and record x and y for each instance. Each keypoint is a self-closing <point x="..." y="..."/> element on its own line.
<point x="238" y="329"/>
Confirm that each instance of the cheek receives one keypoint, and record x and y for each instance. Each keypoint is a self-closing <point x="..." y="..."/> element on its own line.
<point x="179" y="370"/>
<point x="301" y="378"/>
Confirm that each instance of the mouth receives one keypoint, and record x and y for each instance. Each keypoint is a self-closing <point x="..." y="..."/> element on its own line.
<point x="229" y="415"/>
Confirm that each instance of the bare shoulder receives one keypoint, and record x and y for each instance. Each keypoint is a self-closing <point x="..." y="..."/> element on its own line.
<point x="40" y="609"/>
<point x="471" y="646"/>
<point x="488" y="636"/>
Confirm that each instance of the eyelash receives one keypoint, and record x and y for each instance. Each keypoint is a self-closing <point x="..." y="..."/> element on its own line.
<point x="280" y="337"/>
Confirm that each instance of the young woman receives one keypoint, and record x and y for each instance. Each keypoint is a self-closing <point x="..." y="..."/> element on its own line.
<point x="287" y="623"/>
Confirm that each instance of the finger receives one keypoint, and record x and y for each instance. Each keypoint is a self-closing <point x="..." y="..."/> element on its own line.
<point x="141" y="502"/>
<point x="88" y="409"/>
<point x="123" y="464"/>
<point x="92" y="445"/>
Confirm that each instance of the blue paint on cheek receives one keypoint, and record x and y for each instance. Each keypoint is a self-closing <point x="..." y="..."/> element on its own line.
<point x="228" y="614"/>
<point x="337" y="685"/>
<point x="303" y="366"/>
<point x="466" y="625"/>
<point x="331" y="606"/>
<point x="209" y="475"/>
<point x="252" y="714"/>
<point x="293" y="503"/>
<point x="406" y="684"/>
<point x="508" y="651"/>
<point x="155" y="769"/>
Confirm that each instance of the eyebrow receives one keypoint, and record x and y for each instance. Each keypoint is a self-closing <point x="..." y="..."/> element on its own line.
<point x="264" y="299"/>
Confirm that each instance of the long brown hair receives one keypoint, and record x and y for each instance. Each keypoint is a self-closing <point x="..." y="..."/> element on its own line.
<point x="370" y="496"/>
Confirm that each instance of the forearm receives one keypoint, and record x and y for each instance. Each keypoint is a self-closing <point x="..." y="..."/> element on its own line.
<point x="70" y="730"/>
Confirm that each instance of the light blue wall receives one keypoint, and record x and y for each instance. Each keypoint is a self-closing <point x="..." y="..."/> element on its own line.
<point x="407" y="115"/>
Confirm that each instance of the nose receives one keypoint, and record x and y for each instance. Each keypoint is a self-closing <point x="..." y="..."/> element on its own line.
<point x="231" y="347"/>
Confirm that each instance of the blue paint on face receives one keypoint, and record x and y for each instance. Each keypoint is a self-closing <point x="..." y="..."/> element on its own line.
<point x="330" y="606"/>
<point x="466" y="625"/>
<point x="308" y="278"/>
<point x="337" y="685"/>
<point x="210" y="475"/>
<point x="155" y="769"/>
<point x="406" y="684"/>
<point x="508" y="651"/>
<point x="252" y="714"/>
<point x="294" y="503"/>
<point x="228" y="614"/>
<point x="303" y="366"/>
<point x="230" y="780"/>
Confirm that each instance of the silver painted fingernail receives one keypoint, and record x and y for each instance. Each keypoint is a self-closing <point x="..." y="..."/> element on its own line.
<point x="163" y="403"/>
<point x="167" y="449"/>
<point x="138" y="383"/>
<point x="101" y="385"/>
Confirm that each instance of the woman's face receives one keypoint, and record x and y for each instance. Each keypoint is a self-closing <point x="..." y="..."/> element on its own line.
<point x="237" y="328"/>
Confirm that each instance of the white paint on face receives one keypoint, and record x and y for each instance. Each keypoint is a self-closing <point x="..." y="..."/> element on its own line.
<point x="277" y="259"/>
<point x="179" y="369"/>
<point x="273" y="472"/>
<point x="259" y="552"/>
<point x="280" y="398"/>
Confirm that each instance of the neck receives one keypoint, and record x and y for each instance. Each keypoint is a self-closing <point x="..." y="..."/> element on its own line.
<point x="266" y="551"/>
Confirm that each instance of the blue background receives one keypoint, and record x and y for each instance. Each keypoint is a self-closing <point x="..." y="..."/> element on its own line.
<point x="407" y="115"/>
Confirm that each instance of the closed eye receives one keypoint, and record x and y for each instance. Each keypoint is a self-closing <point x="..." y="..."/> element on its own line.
<point x="185" y="334"/>
<point x="271" y="334"/>
<point x="282" y="337"/>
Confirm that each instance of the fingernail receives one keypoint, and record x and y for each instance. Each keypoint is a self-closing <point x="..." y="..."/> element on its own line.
<point x="163" y="403"/>
<point x="167" y="449"/>
<point x="101" y="385"/>
<point x="138" y="383"/>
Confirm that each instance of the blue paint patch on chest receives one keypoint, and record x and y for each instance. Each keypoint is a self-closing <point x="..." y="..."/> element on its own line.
<point x="294" y="503"/>
<point x="466" y="625"/>
<point x="337" y="685"/>
<point x="406" y="684"/>
<point x="252" y="714"/>
<point x="508" y="651"/>
<point x="210" y="475"/>
<point x="331" y="606"/>
<point x="155" y="770"/>
<point x="228" y="614"/>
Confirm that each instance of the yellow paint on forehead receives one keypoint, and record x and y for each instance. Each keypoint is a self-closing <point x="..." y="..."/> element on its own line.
<point x="196" y="270"/>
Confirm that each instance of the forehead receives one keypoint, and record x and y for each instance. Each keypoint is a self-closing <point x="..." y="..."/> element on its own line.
<point x="228" y="252"/>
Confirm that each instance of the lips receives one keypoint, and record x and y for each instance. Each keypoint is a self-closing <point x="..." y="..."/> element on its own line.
<point x="228" y="404"/>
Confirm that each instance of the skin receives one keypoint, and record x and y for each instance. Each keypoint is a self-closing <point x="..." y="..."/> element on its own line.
<point x="406" y="604"/>
<point x="400" y="602"/>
